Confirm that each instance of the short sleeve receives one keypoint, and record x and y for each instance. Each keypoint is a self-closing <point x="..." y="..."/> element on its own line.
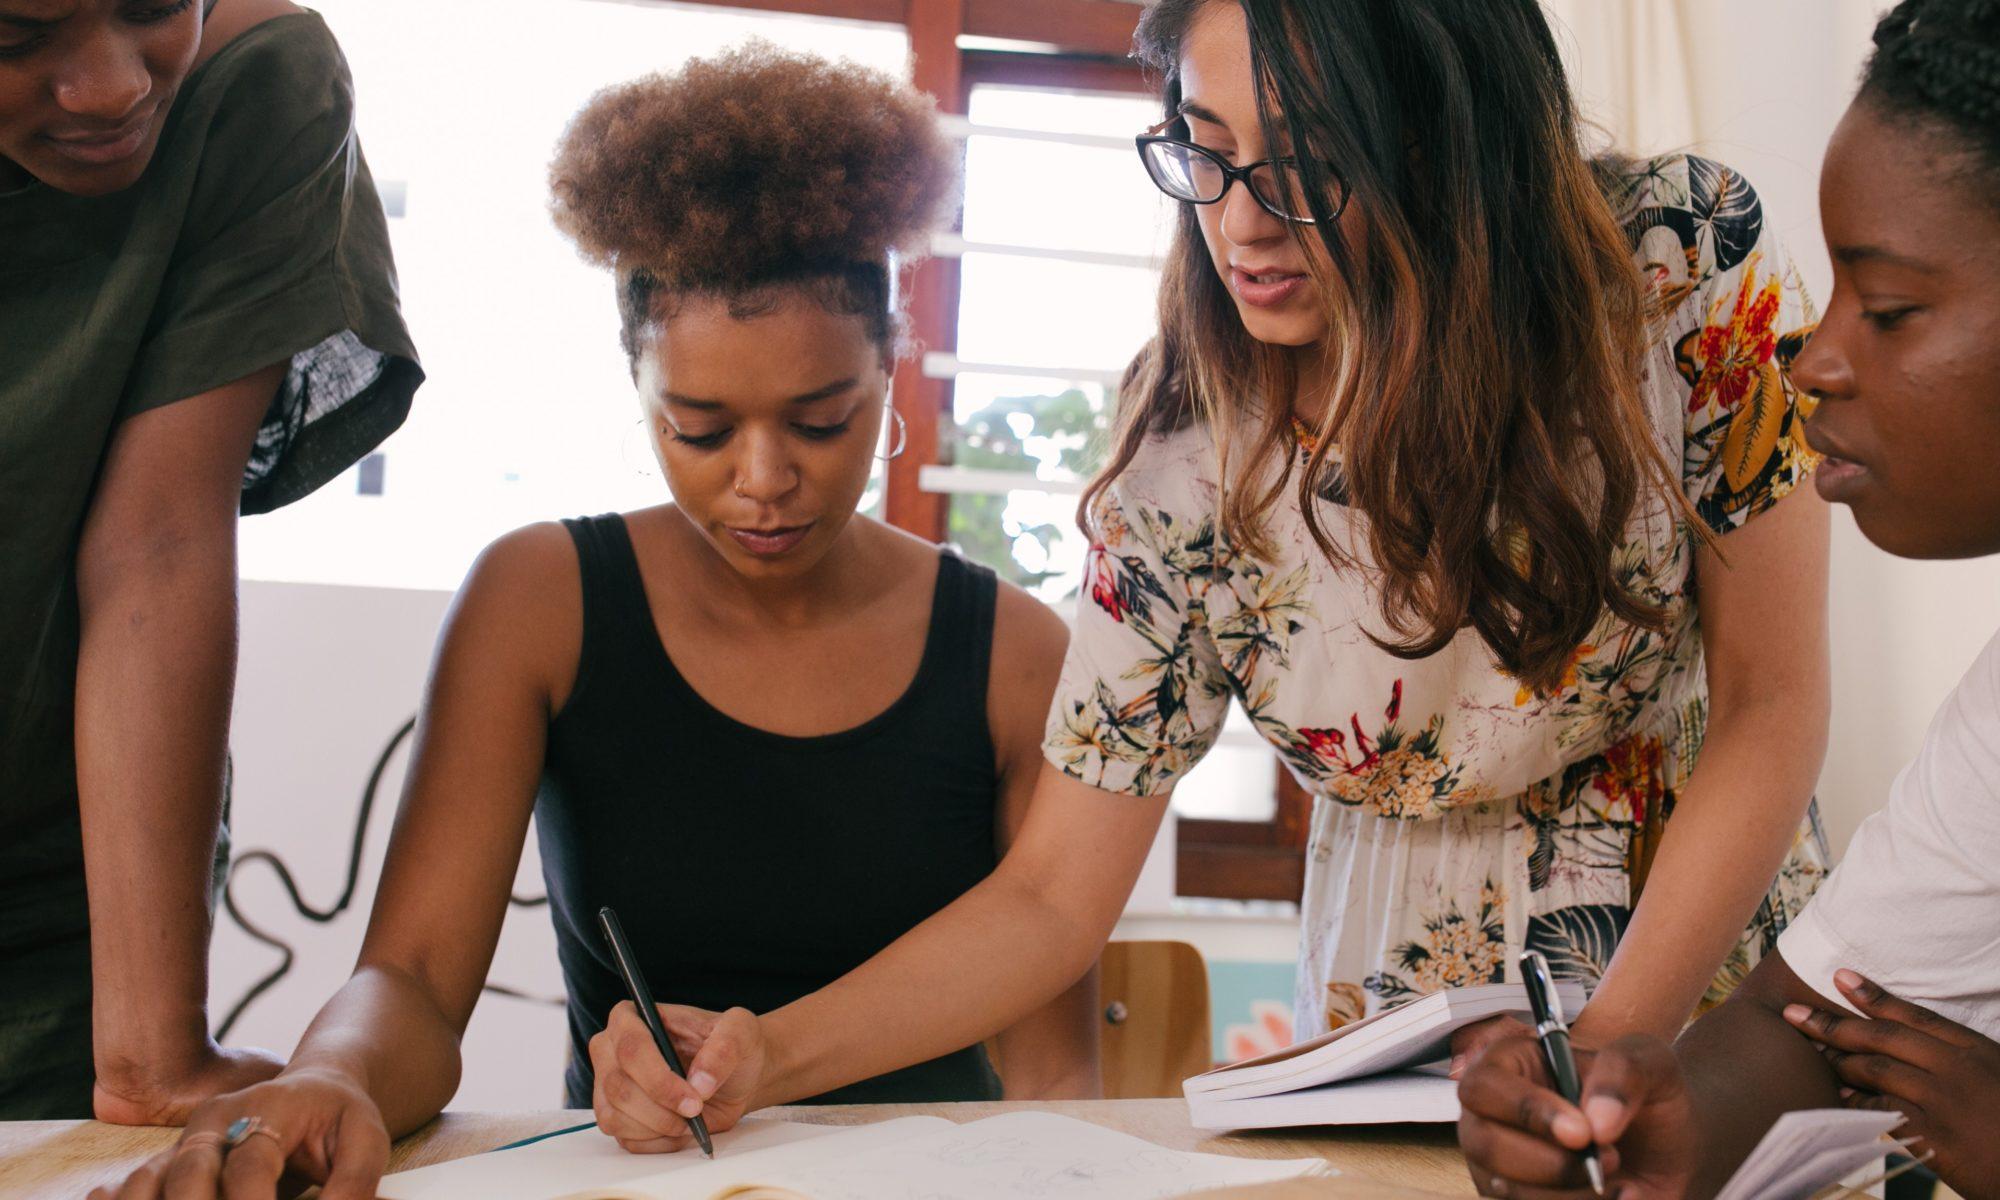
<point x="1745" y="321"/>
<point x="1143" y="693"/>
<point x="283" y="257"/>
<point x="1915" y="905"/>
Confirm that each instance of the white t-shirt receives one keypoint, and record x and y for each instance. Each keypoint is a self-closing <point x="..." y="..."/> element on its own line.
<point x="1915" y="905"/>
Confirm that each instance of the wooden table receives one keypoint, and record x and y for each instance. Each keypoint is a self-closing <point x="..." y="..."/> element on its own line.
<point x="51" y="1159"/>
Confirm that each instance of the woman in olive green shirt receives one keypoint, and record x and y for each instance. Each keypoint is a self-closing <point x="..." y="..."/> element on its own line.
<point x="197" y="317"/>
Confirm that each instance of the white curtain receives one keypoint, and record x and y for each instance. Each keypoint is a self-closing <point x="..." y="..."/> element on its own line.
<point x="1630" y="65"/>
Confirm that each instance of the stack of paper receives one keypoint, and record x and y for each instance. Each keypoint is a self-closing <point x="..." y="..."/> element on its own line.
<point x="1387" y="1068"/>
<point x="1014" y="1157"/>
<point x="1806" y="1151"/>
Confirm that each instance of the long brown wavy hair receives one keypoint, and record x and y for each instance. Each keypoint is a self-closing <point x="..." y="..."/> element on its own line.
<point x="1486" y="332"/>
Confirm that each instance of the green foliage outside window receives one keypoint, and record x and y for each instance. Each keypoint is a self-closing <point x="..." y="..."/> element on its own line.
<point x="1024" y="434"/>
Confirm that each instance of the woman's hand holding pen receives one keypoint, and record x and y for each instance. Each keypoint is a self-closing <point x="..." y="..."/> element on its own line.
<point x="644" y="1105"/>
<point x="1902" y="1057"/>
<point x="1521" y="1139"/>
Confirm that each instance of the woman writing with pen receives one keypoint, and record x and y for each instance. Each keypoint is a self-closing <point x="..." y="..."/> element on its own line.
<point x="753" y="683"/>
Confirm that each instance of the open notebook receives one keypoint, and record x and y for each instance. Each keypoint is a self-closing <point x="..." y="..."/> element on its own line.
<point x="1385" y="1068"/>
<point x="1806" y="1151"/>
<point x="1013" y="1157"/>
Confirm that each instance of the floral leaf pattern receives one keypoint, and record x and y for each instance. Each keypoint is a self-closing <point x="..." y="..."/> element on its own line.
<point x="1459" y="816"/>
<point x="1579" y="940"/>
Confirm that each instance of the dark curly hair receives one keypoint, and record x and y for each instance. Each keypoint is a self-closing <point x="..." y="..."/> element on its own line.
<point x="1938" y="62"/>
<point x="754" y="173"/>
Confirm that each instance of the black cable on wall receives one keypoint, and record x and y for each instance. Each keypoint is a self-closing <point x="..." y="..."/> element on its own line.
<point x="287" y="955"/>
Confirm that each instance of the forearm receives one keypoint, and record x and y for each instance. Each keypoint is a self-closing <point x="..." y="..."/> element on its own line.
<point x="999" y="951"/>
<point x="385" y="1032"/>
<point x="1745" y="1068"/>
<point x="1723" y="845"/>
<point x="154" y="676"/>
<point x="1052" y="1054"/>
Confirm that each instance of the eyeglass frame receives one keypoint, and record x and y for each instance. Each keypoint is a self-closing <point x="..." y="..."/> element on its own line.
<point x="1231" y="173"/>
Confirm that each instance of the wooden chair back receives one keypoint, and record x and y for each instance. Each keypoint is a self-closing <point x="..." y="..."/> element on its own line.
<point x="1154" y="1000"/>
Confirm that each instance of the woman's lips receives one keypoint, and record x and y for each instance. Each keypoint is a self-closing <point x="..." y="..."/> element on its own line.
<point x="1839" y="480"/>
<point x="769" y="543"/>
<point x="101" y="151"/>
<point x="1265" y="289"/>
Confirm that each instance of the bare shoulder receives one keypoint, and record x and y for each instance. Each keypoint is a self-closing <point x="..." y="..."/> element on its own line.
<point x="1029" y="641"/>
<point x="231" y="19"/>
<point x="522" y="601"/>
<point x="1028" y="631"/>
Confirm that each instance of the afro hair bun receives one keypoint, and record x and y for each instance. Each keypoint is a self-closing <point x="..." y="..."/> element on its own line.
<point x="753" y="165"/>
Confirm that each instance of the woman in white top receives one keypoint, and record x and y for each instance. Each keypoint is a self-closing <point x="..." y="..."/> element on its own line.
<point x="1417" y="483"/>
<point x="1892" y="973"/>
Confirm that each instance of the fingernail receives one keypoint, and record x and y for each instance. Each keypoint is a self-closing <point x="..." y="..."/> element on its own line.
<point x="1846" y="1093"/>
<point x="689" y="1107"/>
<point x="1571" y="1127"/>
<point x="1457" y="1065"/>
<point x="703" y="1082"/>
<point x="1603" y="1112"/>
<point x="1797" y="1014"/>
<point x="1847" y="979"/>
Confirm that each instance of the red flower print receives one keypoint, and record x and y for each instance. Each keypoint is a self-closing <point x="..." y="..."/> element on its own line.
<point x="1396" y="701"/>
<point x="1725" y="359"/>
<point x="1103" y="584"/>
<point x="1121" y="585"/>
<point x="1327" y="745"/>
<point x="1368" y="755"/>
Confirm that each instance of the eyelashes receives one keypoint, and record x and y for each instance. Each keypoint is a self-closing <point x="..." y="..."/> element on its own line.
<point x="165" y="12"/>
<point x="709" y="441"/>
<point x="150" y="16"/>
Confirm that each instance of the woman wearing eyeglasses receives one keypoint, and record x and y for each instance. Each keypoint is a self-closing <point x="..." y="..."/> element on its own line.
<point x="1469" y="468"/>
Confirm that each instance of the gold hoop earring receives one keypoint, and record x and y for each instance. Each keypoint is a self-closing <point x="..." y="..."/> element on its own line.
<point x="902" y="436"/>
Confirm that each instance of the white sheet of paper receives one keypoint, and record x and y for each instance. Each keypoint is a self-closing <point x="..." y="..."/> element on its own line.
<point x="1805" y="1151"/>
<point x="1033" y="1156"/>
<point x="584" y="1159"/>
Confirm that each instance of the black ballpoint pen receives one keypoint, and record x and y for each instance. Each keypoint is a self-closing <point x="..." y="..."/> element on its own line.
<point x="642" y="999"/>
<point x="1554" y="1036"/>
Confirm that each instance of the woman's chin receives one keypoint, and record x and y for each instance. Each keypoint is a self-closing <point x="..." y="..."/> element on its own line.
<point x="1283" y="328"/>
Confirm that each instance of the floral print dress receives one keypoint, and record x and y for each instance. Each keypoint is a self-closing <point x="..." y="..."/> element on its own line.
<point x="1458" y="816"/>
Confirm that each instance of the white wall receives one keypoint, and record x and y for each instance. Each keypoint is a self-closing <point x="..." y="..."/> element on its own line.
<point x="327" y="675"/>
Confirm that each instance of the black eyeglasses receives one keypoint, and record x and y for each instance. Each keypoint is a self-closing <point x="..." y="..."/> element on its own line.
<point x="1197" y="175"/>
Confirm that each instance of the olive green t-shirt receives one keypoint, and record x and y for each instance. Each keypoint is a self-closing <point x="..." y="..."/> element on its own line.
<point x="255" y="237"/>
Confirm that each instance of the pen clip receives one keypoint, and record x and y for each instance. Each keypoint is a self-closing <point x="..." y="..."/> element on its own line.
<point x="1543" y="998"/>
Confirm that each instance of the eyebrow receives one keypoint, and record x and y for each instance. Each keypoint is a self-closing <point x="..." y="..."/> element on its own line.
<point x="28" y="23"/>
<point x="1200" y="112"/>
<point x="813" y="397"/>
<point x="1856" y="255"/>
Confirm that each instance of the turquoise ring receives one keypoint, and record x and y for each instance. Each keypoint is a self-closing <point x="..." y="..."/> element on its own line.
<point x="242" y="1129"/>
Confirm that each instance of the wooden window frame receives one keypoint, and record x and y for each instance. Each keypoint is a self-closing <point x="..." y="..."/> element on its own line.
<point x="1075" y="45"/>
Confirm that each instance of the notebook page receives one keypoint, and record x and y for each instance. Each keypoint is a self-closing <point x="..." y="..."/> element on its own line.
<point x="586" y="1158"/>
<point x="1028" y="1156"/>
<point x="732" y="1169"/>
<point x="1805" y="1151"/>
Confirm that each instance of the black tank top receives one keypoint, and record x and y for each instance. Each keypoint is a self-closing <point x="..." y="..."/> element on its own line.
<point x="750" y="868"/>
